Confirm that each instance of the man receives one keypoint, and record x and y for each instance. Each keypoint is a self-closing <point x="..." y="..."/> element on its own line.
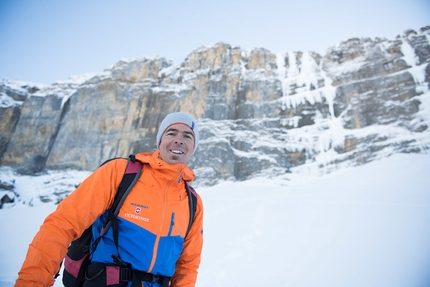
<point x="154" y="241"/>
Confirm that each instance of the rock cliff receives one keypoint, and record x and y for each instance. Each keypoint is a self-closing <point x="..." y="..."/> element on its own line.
<point x="258" y="112"/>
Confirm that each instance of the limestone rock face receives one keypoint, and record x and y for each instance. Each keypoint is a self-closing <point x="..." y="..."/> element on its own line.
<point x="259" y="113"/>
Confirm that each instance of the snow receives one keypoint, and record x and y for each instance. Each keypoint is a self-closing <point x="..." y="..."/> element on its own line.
<point x="305" y="75"/>
<point x="409" y="53"/>
<point x="6" y="101"/>
<point x="365" y="226"/>
<point x="62" y="89"/>
<point x="31" y="188"/>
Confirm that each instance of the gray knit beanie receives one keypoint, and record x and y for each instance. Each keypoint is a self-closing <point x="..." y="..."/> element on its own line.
<point x="176" y="118"/>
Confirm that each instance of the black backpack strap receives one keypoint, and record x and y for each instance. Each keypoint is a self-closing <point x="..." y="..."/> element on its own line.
<point x="131" y="175"/>
<point x="192" y="202"/>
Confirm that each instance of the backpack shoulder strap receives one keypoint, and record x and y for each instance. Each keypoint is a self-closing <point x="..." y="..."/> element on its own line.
<point x="131" y="175"/>
<point x="192" y="202"/>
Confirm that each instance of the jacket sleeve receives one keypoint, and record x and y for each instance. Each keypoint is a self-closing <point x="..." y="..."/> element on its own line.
<point x="73" y="215"/>
<point x="189" y="261"/>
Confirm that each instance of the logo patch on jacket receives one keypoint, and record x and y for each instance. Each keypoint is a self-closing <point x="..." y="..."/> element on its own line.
<point x="136" y="217"/>
<point x="139" y="205"/>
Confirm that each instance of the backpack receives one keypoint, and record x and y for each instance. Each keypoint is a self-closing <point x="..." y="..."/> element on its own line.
<point x="77" y="258"/>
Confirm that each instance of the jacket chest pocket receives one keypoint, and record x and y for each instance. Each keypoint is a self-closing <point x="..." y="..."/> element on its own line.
<point x="172" y="244"/>
<point x="178" y="219"/>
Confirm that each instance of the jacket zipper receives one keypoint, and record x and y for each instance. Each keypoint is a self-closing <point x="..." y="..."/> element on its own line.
<point x="157" y="240"/>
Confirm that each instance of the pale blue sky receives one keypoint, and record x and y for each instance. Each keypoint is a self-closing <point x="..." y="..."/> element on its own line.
<point x="43" y="41"/>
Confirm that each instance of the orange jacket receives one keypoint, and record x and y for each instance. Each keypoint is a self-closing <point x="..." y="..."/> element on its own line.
<point x="160" y="188"/>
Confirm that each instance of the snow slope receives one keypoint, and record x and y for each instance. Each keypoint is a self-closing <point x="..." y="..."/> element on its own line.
<point x="366" y="226"/>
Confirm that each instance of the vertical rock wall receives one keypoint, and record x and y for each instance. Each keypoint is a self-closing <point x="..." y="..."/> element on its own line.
<point x="257" y="111"/>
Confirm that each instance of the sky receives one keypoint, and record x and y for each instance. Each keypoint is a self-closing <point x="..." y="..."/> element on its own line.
<point x="45" y="41"/>
<point x="356" y="227"/>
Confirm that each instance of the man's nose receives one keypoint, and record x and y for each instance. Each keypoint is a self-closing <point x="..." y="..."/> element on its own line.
<point x="179" y="139"/>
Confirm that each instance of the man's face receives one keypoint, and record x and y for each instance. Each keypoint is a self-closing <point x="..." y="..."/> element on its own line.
<point x="177" y="144"/>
